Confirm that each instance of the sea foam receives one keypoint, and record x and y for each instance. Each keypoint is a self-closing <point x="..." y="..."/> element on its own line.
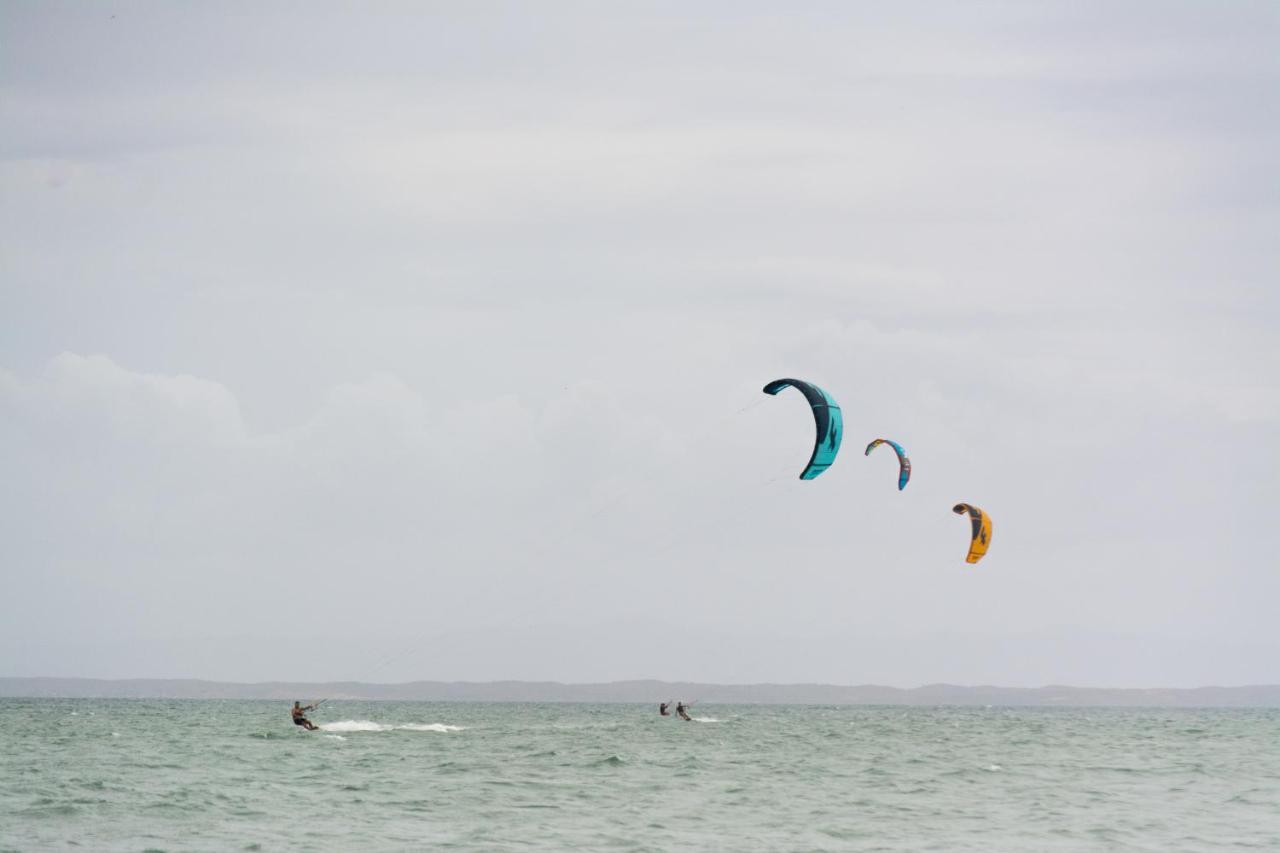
<point x="370" y="726"/>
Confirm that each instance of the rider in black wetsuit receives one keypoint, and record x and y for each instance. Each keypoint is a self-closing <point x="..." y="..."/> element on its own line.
<point x="300" y="716"/>
<point x="682" y="713"/>
<point x="662" y="709"/>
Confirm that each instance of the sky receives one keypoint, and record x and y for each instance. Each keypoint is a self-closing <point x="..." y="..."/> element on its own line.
<point x="426" y="341"/>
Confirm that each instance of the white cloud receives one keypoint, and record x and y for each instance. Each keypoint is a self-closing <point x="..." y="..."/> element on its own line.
<point x="130" y="405"/>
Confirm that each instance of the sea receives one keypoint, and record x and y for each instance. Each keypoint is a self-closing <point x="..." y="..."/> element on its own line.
<point x="224" y="775"/>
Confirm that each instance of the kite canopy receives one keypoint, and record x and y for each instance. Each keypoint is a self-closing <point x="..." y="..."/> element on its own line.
<point x="981" y="523"/>
<point x="826" y="420"/>
<point x="904" y="464"/>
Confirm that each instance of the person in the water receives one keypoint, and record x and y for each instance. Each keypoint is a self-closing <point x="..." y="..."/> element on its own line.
<point x="682" y="713"/>
<point x="662" y="709"/>
<point x="300" y="716"/>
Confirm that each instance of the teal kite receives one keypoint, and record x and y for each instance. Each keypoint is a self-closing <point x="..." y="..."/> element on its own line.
<point x="826" y="420"/>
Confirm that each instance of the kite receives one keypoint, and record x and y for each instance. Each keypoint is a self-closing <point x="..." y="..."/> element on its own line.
<point x="981" y="530"/>
<point x="826" y="420"/>
<point x="904" y="464"/>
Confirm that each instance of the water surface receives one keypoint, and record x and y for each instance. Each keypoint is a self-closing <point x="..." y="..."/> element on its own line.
<point x="135" y="775"/>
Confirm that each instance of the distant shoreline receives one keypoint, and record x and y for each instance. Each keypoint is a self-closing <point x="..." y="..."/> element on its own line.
<point x="1248" y="696"/>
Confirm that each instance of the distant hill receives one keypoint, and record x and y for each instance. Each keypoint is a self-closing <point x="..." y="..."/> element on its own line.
<point x="1252" y="696"/>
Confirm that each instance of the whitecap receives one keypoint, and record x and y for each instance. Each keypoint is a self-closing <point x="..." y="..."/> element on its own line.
<point x="705" y="720"/>
<point x="994" y="768"/>
<point x="336" y="737"/>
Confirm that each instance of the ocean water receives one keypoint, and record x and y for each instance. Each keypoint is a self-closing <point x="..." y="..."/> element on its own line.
<point x="106" y="775"/>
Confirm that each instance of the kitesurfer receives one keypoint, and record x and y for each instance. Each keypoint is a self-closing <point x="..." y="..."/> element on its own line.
<point x="300" y="716"/>
<point x="682" y="713"/>
<point x="662" y="709"/>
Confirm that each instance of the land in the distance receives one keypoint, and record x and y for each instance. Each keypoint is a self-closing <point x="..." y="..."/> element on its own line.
<point x="1250" y="696"/>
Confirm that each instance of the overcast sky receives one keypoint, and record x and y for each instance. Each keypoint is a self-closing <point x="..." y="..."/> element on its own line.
<point x="387" y="342"/>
